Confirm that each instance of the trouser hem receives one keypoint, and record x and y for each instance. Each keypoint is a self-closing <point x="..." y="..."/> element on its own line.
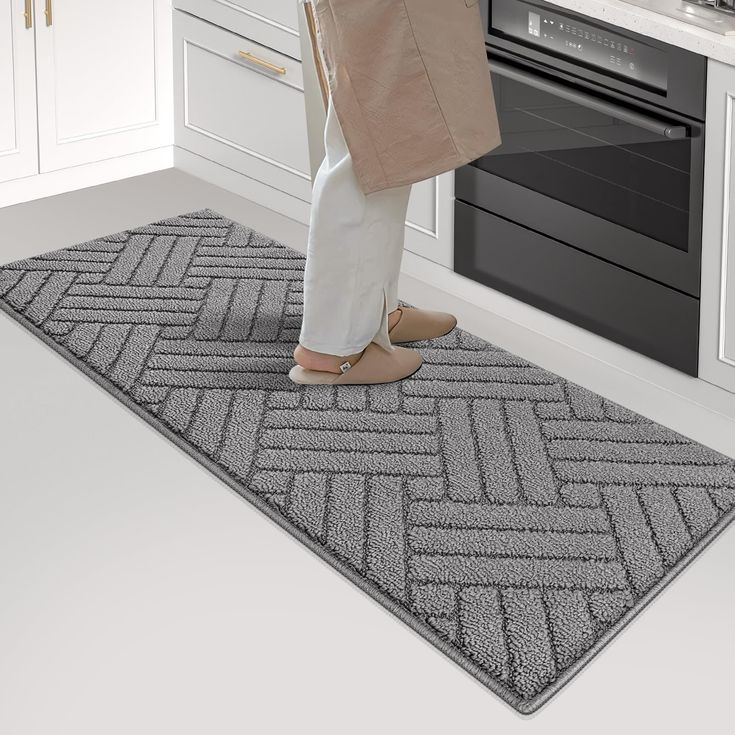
<point x="332" y="349"/>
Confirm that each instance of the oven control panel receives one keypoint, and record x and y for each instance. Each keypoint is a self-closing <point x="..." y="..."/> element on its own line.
<point x="536" y="24"/>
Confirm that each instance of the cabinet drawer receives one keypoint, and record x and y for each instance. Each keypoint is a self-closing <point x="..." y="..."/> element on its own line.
<point x="246" y="114"/>
<point x="272" y="23"/>
<point x="283" y="12"/>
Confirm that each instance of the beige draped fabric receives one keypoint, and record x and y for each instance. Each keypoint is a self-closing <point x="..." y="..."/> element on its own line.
<point x="410" y="85"/>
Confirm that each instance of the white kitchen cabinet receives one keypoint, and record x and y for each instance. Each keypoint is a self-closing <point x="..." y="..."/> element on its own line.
<point x="717" y="327"/>
<point x="99" y="93"/>
<point x="240" y="104"/>
<point x="249" y="115"/>
<point x="18" y="142"/>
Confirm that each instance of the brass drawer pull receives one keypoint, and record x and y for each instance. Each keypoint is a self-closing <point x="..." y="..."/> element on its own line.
<point x="28" y="14"/>
<point x="262" y="62"/>
<point x="49" y="13"/>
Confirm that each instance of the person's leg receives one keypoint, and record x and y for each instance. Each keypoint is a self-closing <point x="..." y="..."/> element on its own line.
<point x="353" y="259"/>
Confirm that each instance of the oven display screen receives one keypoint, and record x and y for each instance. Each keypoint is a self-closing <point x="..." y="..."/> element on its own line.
<point x="536" y="25"/>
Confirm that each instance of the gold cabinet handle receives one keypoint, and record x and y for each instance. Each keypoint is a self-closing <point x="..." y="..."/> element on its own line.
<point x="49" y="13"/>
<point x="28" y="13"/>
<point x="261" y="62"/>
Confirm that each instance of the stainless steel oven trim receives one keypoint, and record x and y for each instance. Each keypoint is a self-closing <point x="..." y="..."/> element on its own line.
<point x="652" y="124"/>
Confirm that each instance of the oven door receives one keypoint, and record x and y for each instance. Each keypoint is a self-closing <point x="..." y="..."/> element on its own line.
<point x="606" y="177"/>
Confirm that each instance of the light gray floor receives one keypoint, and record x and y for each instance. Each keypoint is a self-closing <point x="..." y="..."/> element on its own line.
<point x="145" y="597"/>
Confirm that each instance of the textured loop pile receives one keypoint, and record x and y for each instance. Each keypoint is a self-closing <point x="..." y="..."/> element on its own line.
<point x="513" y="518"/>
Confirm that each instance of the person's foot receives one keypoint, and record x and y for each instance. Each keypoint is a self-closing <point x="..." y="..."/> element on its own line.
<point x="310" y="360"/>
<point x="375" y="365"/>
<point x="414" y="325"/>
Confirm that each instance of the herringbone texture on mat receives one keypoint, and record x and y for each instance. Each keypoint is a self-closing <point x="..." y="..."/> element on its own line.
<point x="514" y="518"/>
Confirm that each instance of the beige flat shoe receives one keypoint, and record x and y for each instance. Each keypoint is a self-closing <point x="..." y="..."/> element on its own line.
<point x="375" y="366"/>
<point x="418" y="324"/>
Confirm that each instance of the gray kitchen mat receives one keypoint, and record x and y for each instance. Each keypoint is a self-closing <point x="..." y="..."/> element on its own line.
<point x="514" y="519"/>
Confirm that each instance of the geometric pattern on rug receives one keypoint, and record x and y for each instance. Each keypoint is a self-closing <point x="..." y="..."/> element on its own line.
<point x="512" y="517"/>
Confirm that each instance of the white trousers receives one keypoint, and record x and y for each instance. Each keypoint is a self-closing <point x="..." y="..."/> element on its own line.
<point x="353" y="257"/>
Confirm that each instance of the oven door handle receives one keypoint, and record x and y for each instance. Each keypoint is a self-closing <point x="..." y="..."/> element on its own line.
<point x="639" y="119"/>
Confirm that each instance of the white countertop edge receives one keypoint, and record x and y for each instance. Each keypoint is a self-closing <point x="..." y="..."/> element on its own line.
<point x="655" y="25"/>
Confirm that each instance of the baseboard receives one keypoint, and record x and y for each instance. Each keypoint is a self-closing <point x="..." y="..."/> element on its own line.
<point x="89" y="174"/>
<point x="691" y="406"/>
<point x="244" y="186"/>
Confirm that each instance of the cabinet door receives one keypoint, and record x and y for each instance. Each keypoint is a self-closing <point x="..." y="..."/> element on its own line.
<point x="241" y="104"/>
<point x="18" y="149"/>
<point x="717" y="327"/>
<point x="104" y="79"/>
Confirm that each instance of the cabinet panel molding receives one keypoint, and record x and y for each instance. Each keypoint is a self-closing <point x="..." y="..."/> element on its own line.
<point x="717" y="327"/>
<point x="18" y="142"/>
<point x="726" y="326"/>
<point x="273" y="23"/>
<point x="104" y="80"/>
<point x="430" y="222"/>
<point x="282" y="15"/>
<point x="423" y="215"/>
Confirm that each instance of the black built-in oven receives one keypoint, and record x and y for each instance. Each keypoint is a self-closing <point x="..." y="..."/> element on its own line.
<point x="591" y="208"/>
